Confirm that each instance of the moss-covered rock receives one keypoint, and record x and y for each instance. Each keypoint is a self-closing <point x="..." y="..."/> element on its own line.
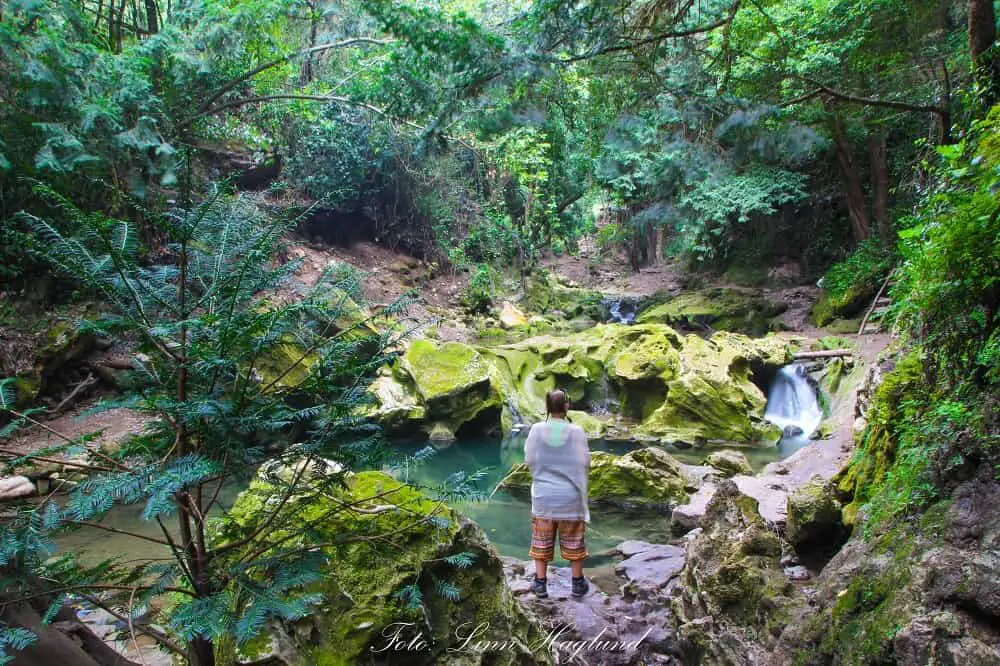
<point x="396" y="405"/>
<point x="680" y="389"/>
<point x="814" y="517"/>
<point x="910" y="591"/>
<point x="592" y="426"/>
<point x="343" y="316"/>
<point x="55" y="350"/>
<point x="734" y="589"/>
<point x="365" y="579"/>
<point x="454" y="382"/>
<point x="714" y="398"/>
<point x="851" y="302"/>
<point x="876" y="451"/>
<point x="651" y="355"/>
<point x="729" y="462"/>
<point x="723" y="309"/>
<point x="285" y="365"/>
<point x="511" y="316"/>
<point x="545" y="294"/>
<point x="646" y="477"/>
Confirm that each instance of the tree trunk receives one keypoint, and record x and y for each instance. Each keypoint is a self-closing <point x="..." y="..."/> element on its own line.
<point x="119" y="27"/>
<point x="880" y="185"/>
<point x="306" y="75"/>
<point x="853" y="192"/>
<point x="985" y="59"/>
<point x="65" y="640"/>
<point x="152" y="18"/>
<point x="201" y="652"/>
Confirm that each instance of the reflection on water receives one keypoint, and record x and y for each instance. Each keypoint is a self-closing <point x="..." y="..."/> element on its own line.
<point x="505" y="519"/>
<point x="95" y="545"/>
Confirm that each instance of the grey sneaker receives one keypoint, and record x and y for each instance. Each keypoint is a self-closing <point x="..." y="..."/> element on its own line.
<point x="580" y="587"/>
<point x="540" y="587"/>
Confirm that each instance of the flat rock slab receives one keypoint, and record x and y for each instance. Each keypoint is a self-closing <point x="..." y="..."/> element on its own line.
<point x="16" y="487"/>
<point x="686" y="517"/>
<point x="633" y="546"/>
<point x="652" y="567"/>
<point x="604" y="626"/>
<point x="771" y="494"/>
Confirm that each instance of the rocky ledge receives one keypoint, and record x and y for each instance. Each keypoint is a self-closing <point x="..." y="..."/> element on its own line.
<point x="624" y="619"/>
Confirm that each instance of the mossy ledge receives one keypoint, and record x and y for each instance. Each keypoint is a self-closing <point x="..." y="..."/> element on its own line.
<point x="363" y="578"/>
<point x="672" y="388"/>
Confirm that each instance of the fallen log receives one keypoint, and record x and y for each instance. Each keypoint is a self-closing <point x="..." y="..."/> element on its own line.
<point x="826" y="353"/>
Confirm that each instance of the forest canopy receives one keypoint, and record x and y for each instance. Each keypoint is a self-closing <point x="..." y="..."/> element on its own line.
<point x="478" y="133"/>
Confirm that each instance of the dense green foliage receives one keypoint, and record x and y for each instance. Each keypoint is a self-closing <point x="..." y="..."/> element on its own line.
<point x="722" y="133"/>
<point x="933" y="421"/>
<point x="224" y="371"/>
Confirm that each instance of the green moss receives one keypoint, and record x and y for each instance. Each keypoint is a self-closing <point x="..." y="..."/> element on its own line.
<point x="720" y="309"/>
<point x="454" y="382"/>
<point x="651" y="356"/>
<point x="286" y="364"/>
<point x="440" y="371"/>
<point x="545" y="295"/>
<point x="363" y="576"/>
<point x="844" y="305"/>
<point x="682" y="389"/>
<point x="645" y="477"/>
<point x="877" y="450"/>
<point x="830" y="342"/>
<point x="814" y="516"/>
<point x="592" y="426"/>
<point x="730" y="463"/>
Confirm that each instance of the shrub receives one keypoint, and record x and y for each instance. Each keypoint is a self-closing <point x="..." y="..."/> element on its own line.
<point x="863" y="271"/>
<point x="478" y="296"/>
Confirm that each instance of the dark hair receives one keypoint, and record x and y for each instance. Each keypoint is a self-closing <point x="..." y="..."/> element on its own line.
<point x="556" y="402"/>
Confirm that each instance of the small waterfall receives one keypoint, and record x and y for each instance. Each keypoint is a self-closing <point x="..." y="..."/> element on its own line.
<point x="621" y="310"/>
<point x="515" y="416"/>
<point x="600" y="397"/>
<point x="791" y="402"/>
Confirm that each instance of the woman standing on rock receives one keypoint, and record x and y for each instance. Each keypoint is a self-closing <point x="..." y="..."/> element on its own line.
<point x="559" y="460"/>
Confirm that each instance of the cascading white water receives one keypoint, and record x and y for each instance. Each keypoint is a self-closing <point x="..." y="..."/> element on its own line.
<point x="620" y="310"/>
<point x="791" y="402"/>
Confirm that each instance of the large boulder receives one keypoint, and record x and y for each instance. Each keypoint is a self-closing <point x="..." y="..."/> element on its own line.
<point x="369" y="581"/>
<point x="545" y="294"/>
<point x="647" y="477"/>
<point x="455" y="385"/>
<point x="39" y="362"/>
<point x="397" y="405"/>
<point x="511" y="316"/>
<point x="848" y="303"/>
<point x="924" y="589"/>
<point x="285" y="364"/>
<point x="592" y="426"/>
<point x="723" y="309"/>
<point x="734" y="599"/>
<point x="814" y="520"/>
<point x="713" y="397"/>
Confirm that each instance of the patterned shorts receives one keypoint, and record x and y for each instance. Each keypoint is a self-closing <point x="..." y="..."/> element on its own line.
<point x="543" y="539"/>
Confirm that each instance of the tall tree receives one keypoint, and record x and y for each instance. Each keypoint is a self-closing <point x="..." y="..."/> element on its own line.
<point x="982" y="51"/>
